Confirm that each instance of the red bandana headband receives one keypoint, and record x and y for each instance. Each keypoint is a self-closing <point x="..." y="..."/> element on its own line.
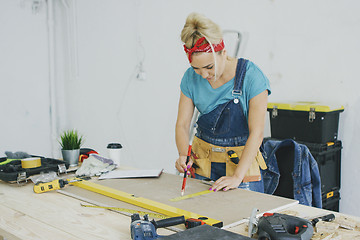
<point x="200" y="47"/>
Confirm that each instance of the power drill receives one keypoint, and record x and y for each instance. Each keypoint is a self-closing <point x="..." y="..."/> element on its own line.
<point x="146" y="230"/>
<point x="56" y="184"/>
<point x="276" y="226"/>
<point x="50" y="186"/>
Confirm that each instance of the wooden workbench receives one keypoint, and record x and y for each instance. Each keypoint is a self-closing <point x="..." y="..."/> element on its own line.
<point x="51" y="215"/>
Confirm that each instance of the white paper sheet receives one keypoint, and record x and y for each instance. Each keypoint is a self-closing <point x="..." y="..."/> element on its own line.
<point x="131" y="173"/>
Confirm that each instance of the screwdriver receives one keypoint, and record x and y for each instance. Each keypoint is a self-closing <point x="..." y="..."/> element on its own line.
<point x="56" y="184"/>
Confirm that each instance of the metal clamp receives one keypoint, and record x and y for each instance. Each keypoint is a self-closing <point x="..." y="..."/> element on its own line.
<point x="21" y="178"/>
<point x="62" y="168"/>
<point x="274" y="112"/>
<point x="312" y="115"/>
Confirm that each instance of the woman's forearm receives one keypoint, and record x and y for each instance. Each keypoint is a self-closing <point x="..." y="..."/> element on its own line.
<point x="182" y="139"/>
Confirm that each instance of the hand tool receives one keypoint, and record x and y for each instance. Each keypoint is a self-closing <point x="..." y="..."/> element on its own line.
<point x="253" y="222"/>
<point x="327" y="218"/>
<point x="276" y="226"/>
<point x="146" y="230"/>
<point x="192" y="222"/>
<point x="191" y="137"/>
<point x="194" y="165"/>
<point x="143" y="202"/>
<point x="233" y="156"/>
<point x="56" y="184"/>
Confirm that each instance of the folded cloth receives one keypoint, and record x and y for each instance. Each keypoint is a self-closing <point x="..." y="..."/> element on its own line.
<point x="95" y="165"/>
<point x="16" y="155"/>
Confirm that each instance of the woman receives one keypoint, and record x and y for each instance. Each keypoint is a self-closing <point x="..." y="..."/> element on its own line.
<point x="231" y="96"/>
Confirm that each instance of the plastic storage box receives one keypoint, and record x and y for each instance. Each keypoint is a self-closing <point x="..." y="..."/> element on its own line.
<point x="328" y="157"/>
<point x="13" y="171"/>
<point x="304" y="121"/>
<point x="331" y="200"/>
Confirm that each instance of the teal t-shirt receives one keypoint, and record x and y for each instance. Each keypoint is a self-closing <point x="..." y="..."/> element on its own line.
<point x="207" y="99"/>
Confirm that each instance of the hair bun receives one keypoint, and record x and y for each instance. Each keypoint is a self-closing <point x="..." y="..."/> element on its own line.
<point x="198" y="26"/>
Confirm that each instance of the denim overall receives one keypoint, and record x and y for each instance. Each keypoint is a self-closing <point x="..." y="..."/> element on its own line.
<point x="227" y="126"/>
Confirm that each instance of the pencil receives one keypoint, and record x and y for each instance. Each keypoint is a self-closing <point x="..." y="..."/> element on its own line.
<point x="191" y="138"/>
<point x="185" y="172"/>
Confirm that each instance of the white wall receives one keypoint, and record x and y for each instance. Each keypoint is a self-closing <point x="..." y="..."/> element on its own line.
<point x="308" y="49"/>
<point x="24" y="98"/>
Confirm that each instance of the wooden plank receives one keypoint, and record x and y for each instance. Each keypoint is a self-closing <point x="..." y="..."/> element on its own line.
<point x="229" y="207"/>
<point x="18" y="225"/>
<point x="27" y="215"/>
<point x="146" y="203"/>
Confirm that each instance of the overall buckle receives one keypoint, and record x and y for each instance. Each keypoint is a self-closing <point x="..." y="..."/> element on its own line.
<point x="236" y="94"/>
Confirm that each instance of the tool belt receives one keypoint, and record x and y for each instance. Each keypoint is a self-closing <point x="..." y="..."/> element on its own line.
<point x="205" y="153"/>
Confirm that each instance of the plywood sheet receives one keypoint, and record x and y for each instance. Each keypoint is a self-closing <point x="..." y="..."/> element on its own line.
<point x="229" y="207"/>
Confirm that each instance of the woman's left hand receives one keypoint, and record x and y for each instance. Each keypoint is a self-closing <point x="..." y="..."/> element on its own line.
<point x="226" y="183"/>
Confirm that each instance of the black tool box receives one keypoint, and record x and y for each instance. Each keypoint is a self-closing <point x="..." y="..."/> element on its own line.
<point x="328" y="157"/>
<point x="13" y="172"/>
<point x="304" y="121"/>
<point x="331" y="200"/>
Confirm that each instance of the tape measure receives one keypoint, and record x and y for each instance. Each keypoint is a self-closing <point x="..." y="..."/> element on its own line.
<point x="132" y="211"/>
<point x="33" y="162"/>
<point x="190" y="195"/>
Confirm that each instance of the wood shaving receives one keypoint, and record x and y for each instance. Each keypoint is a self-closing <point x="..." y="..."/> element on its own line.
<point x="324" y="227"/>
<point x="346" y="222"/>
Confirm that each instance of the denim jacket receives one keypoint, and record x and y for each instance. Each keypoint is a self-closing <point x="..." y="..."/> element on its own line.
<point x="306" y="176"/>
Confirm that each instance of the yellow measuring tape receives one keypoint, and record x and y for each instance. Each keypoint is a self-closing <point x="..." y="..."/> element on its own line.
<point x="190" y="195"/>
<point x="143" y="202"/>
<point x="33" y="162"/>
<point x="150" y="214"/>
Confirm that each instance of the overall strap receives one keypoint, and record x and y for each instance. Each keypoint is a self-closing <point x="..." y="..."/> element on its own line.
<point x="239" y="77"/>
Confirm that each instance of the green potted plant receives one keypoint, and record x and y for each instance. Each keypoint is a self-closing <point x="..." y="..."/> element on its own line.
<point x="71" y="142"/>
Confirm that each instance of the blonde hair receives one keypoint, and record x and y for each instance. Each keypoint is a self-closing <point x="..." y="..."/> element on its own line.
<point x="198" y="26"/>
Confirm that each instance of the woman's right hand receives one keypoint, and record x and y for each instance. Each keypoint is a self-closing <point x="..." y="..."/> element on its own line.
<point x="180" y="164"/>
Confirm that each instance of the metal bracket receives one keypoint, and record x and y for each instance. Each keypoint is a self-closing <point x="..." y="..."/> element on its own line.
<point x="312" y="115"/>
<point x="21" y="178"/>
<point x="274" y="112"/>
<point x="62" y="168"/>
